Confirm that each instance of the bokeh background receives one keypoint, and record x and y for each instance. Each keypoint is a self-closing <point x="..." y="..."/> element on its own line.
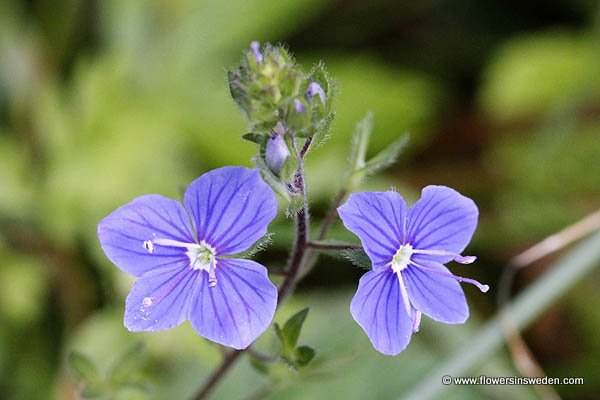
<point x="103" y="101"/>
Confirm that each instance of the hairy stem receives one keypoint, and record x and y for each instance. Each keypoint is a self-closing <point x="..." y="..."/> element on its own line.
<point x="294" y="272"/>
<point x="333" y="246"/>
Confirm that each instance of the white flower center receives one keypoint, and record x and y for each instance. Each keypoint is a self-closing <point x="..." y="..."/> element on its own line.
<point x="402" y="258"/>
<point x="201" y="255"/>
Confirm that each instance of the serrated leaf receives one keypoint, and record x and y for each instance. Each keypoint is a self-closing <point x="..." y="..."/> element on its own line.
<point x="253" y="137"/>
<point x="293" y="326"/>
<point x="387" y="156"/>
<point x="358" y="257"/>
<point x="360" y="142"/>
<point x="83" y="368"/>
<point x="304" y="355"/>
<point x="126" y="368"/>
<point x="260" y="245"/>
<point x="321" y="134"/>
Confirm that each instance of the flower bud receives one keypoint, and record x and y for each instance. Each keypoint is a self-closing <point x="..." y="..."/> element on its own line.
<point x="255" y="47"/>
<point x="315" y="89"/>
<point x="276" y="152"/>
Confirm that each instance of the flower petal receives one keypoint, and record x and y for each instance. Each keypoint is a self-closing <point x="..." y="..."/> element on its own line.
<point x="160" y="299"/>
<point x="442" y="219"/>
<point x="440" y="297"/>
<point x="231" y="208"/>
<point x="239" y="308"/>
<point x="378" y="308"/>
<point x="378" y="219"/>
<point x="122" y="233"/>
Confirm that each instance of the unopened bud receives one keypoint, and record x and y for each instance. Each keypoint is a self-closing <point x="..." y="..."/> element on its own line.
<point x="276" y="152"/>
<point x="255" y="47"/>
<point x="315" y="89"/>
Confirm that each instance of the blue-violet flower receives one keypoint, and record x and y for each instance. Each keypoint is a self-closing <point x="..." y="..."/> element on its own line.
<point x="181" y="257"/>
<point x="408" y="249"/>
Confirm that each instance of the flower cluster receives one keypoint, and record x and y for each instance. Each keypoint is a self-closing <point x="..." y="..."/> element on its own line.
<point x="186" y="257"/>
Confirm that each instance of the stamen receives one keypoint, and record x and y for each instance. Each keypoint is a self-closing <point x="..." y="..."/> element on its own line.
<point x="212" y="277"/>
<point x="171" y="243"/>
<point x="416" y="322"/>
<point x="457" y="257"/>
<point x="404" y="294"/>
<point x="202" y="256"/>
<point x="479" y="285"/>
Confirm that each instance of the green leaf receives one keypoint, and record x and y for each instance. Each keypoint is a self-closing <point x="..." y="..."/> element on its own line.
<point x="387" y="156"/>
<point x="358" y="257"/>
<point x="126" y="368"/>
<point x="293" y="326"/>
<point x="83" y="368"/>
<point x="360" y="142"/>
<point x="321" y="134"/>
<point x="304" y="355"/>
<point x="253" y="137"/>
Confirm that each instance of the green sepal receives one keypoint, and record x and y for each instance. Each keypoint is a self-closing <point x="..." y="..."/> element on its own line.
<point x="253" y="137"/>
<point x="357" y="257"/>
<point x="291" y="163"/>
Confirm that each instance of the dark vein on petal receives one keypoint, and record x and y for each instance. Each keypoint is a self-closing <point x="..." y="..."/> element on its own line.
<point x="228" y="306"/>
<point x="257" y="290"/>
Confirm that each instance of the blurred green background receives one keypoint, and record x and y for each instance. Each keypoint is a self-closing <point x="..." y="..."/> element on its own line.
<point x="103" y="101"/>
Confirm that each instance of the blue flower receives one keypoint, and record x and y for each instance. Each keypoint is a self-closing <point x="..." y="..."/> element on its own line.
<point x="408" y="250"/>
<point x="181" y="257"/>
